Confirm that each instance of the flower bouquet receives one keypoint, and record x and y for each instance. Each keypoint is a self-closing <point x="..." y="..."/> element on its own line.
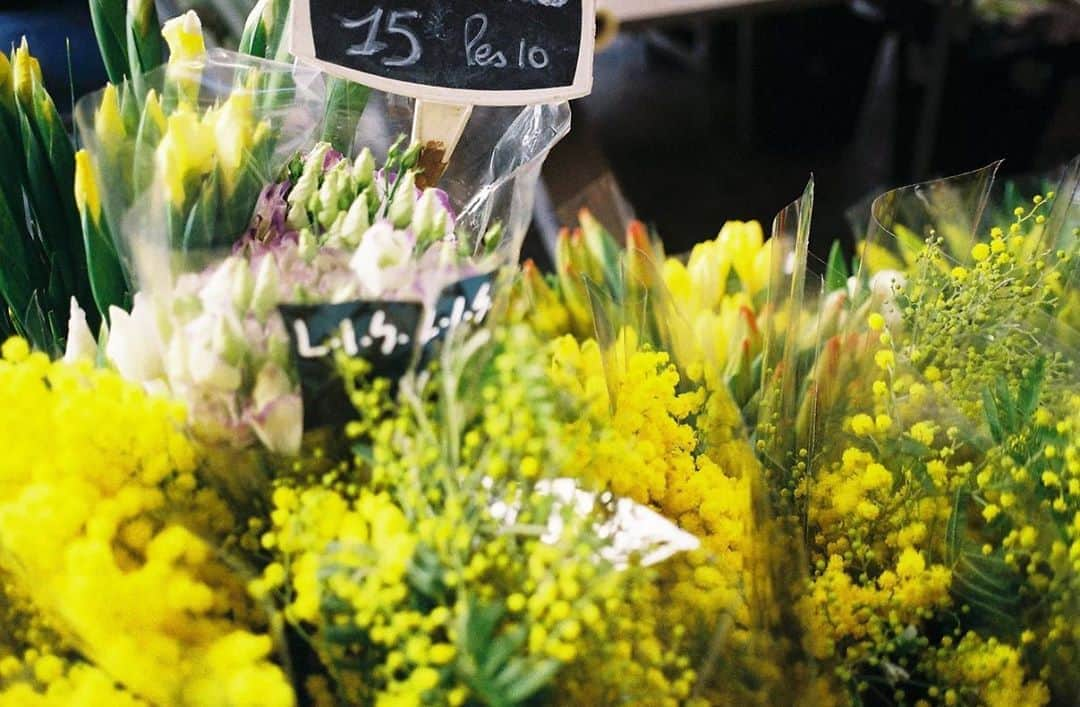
<point x="285" y="424"/>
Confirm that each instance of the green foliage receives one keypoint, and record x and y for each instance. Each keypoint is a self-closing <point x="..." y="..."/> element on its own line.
<point x="43" y="256"/>
<point x="836" y="272"/>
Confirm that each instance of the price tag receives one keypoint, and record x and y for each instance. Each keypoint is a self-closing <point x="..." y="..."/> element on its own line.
<point x="469" y="52"/>
<point x="386" y="334"/>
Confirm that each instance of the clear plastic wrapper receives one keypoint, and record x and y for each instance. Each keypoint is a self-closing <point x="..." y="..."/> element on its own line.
<point x="226" y="205"/>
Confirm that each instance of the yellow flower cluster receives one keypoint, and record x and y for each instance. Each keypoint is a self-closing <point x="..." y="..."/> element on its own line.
<point x="852" y="618"/>
<point x="987" y="672"/>
<point x="90" y="466"/>
<point x="685" y="454"/>
<point x="718" y="293"/>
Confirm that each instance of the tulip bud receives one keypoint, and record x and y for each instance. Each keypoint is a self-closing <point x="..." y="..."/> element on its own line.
<point x="232" y="133"/>
<point x="184" y="36"/>
<point x="401" y="206"/>
<point x="601" y="253"/>
<point x="87" y="197"/>
<point x="26" y="73"/>
<point x="109" y="122"/>
<point x="80" y="340"/>
<point x="133" y="342"/>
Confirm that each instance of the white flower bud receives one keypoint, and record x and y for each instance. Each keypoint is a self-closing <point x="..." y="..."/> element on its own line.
<point x="306" y="185"/>
<point x="356" y="221"/>
<point x="243" y="284"/>
<point x="80" y="341"/>
<point x="228" y="340"/>
<point x="363" y="170"/>
<point x="133" y="346"/>
<point x="401" y="206"/>
<point x="209" y="370"/>
<point x="267" y="280"/>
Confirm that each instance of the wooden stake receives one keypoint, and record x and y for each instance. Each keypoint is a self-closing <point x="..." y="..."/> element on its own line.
<point x="438" y="128"/>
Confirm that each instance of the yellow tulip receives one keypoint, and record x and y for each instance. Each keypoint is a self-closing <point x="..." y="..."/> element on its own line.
<point x="26" y="73"/>
<point x="744" y="243"/>
<point x="87" y="197"/>
<point x="184" y="36"/>
<point x="187" y="148"/>
<point x="108" y="122"/>
<point x="709" y="265"/>
<point x="154" y="111"/>
<point x="7" y="98"/>
<point x="233" y="129"/>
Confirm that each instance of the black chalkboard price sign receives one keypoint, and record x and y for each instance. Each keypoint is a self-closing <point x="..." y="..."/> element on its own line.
<point x="476" y="52"/>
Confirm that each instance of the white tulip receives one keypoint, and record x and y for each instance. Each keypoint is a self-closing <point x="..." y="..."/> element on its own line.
<point x="80" y="341"/>
<point x="134" y="347"/>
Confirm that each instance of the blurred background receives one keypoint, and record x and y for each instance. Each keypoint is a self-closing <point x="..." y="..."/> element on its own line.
<point x="708" y="110"/>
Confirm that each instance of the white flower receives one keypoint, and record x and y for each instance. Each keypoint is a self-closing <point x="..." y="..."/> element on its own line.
<point x="80" y="340"/>
<point x="134" y="345"/>
<point x="209" y="370"/>
<point x="278" y="417"/>
<point x="382" y="262"/>
<point x="266" y="293"/>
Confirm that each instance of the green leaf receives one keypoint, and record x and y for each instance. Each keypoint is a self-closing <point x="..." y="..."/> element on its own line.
<point x="253" y="38"/>
<point x="957" y="523"/>
<point x="345" y="104"/>
<point x="200" y="226"/>
<point x="990" y="410"/>
<point x="1006" y="407"/>
<point x="539" y="676"/>
<point x="836" y="272"/>
<point x="107" y="279"/>
<point x="1027" y="397"/>
<point x="7" y="327"/>
<point x="11" y="154"/>
<point x="107" y="17"/>
<point x="16" y="266"/>
<point x="37" y="327"/>
<point x="145" y="46"/>
<point x="44" y="200"/>
<point x="500" y="650"/>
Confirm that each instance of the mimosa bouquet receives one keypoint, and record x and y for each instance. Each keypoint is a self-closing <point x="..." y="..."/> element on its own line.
<point x="285" y="423"/>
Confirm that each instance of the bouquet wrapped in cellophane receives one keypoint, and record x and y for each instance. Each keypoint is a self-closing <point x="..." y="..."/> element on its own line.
<point x="913" y="503"/>
<point x="316" y="439"/>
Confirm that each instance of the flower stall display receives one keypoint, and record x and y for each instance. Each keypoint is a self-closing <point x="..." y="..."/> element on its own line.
<point x="286" y="424"/>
